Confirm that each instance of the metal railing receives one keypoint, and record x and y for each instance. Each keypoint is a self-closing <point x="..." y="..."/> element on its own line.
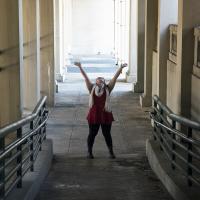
<point x="17" y="157"/>
<point x="179" y="139"/>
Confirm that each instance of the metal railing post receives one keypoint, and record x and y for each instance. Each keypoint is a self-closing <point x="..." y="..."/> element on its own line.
<point x="189" y="156"/>
<point x="40" y="132"/>
<point x="161" y="131"/>
<point x="32" y="147"/>
<point x="154" y="125"/>
<point x="2" y="166"/>
<point x="173" y="144"/>
<point x="44" y="128"/>
<point x="19" y="158"/>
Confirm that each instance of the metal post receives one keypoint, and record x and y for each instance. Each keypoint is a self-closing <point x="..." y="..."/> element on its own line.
<point x="19" y="158"/>
<point x="40" y="132"/>
<point x="161" y="131"/>
<point x="173" y="144"/>
<point x="189" y="157"/>
<point x="155" y="106"/>
<point x="31" y="148"/>
<point x="44" y="128"/>
<point x="2" y="165"/>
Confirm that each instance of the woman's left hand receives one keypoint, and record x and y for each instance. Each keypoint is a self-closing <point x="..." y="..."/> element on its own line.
<point x="124" y="65"/>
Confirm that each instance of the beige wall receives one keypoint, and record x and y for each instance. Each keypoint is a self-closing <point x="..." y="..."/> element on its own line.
<point x="47" y="49"/>
<point x="195" y="98"/>
<point x="188" y="19"/>
<point x="172" y="87"/>
<point x="167" y="14"/>
<point x="9" y="58"/>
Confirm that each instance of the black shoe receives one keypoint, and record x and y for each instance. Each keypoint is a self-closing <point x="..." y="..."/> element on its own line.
<point x="112" y="156"/>
<point x="90" y="156"/>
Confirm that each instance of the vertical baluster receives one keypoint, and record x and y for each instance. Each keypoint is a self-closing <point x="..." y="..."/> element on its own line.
<point x="19" y="158"/>
<point x="44" y="131"/>
<point x="161" y="130"/>
<point x="40" y="130"/>
<point x="189" y="157"/>
<point x="155" y="113"/>
<point x="32" y="147"/>
<point x="2" y="166"/>
<point x="173" y="135"/>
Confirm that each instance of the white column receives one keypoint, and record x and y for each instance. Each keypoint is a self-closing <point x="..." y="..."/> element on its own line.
<point x="131" y="74"/>
<point x="47" y="50"/>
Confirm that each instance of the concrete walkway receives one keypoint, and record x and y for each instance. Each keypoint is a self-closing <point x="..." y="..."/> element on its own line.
<point x="73" y="177"/>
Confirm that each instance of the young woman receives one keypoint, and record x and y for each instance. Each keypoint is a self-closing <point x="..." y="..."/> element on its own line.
<point x="100" y="113"/>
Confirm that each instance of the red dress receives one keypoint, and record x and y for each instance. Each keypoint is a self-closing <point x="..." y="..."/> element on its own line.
<point x="97" y="114"/>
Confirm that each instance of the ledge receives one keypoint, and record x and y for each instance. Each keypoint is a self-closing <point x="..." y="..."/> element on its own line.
<point x="174" y="182"/>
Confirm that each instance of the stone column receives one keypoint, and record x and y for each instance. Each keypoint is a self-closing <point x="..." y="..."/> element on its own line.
<point x="131" y="73"/>
<point x="167" y="14"/>
<point x="138" y="86"/>
<point x="58" y="18"/>
<point x="151" y="22"/>
<point x="9" y="62"/>
<point x="29" y="63"/>
<point x="47" y="49"/>
<point x="67" y="31"/>
<point x="188" y="18"/>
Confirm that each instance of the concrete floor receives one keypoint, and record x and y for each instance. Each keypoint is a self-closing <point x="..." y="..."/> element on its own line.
<point x="74" y="177"/>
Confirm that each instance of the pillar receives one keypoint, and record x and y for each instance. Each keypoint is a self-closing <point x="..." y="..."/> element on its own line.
<point x="167" y="14"/>
<point x="131" y="73"/>
<point x="47" y="49"/>
<point x="10" y="103"/>
<point x="29" y="64"/>
<point x="58" y="21"/>
<point x="188" y="18"/>
<point x="151" y="22"/>
<point x="67" y="31"/>
<point x="138" y="86"/>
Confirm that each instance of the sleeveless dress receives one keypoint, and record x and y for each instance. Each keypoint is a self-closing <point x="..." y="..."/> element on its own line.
<point x="97" y="114"/>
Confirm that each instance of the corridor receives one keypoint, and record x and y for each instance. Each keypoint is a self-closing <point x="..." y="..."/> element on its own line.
<point x="74" y="177"/>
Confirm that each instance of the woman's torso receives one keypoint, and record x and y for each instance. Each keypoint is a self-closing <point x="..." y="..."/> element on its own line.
<point x="97" y="113"/>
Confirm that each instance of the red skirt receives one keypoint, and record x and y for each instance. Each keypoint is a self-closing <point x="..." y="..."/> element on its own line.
<point x="97" y="115"/>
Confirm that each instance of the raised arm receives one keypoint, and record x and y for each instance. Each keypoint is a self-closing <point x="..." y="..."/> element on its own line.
<point x="87" y="80"/>
<point x="112" y="82"/>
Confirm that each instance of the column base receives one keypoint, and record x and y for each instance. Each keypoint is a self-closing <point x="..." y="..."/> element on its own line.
<point x="130" y="78"/>
<point x="145" y="101"/>
<point x="138" y="87"/>
<point x="60" y="78"/>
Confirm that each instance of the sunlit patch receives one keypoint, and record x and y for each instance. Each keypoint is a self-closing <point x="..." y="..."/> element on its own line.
<point x="64" y="186"/>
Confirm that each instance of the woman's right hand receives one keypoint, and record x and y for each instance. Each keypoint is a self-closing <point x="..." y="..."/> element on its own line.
<point x="78" y="64"/>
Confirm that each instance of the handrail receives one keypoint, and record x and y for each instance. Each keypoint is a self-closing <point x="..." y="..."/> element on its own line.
<point x="15" y="125"/>
<point x="30" y="133"/>
<point x="185" y="121"/>
<point x="181" y="147"/>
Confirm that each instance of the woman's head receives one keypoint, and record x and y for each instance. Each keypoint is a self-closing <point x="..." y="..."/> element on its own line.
<point x="100" y="81"/>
